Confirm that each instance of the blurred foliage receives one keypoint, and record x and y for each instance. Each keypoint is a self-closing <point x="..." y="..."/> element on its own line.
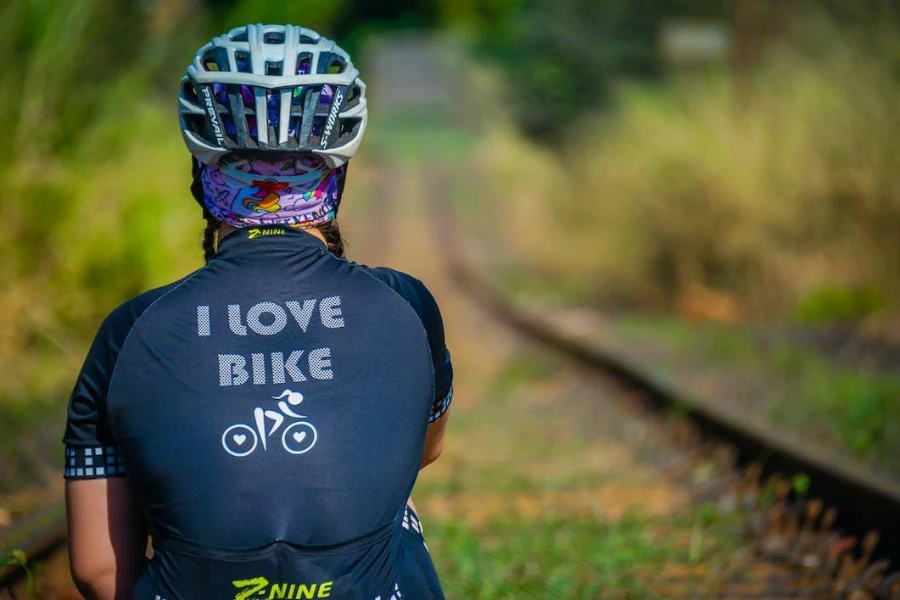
<point x="830" y="303"/>
<point x="347" y="21"/>
<point x="86" y="222"/>
<point x="320" y="15"/>
<point x="561" y="58"/>
<point x="758" y="199"/>
<point x="66" y="57"/>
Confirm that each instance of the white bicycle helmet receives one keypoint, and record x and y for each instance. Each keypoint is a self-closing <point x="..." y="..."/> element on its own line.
<point x="272" y="88"/>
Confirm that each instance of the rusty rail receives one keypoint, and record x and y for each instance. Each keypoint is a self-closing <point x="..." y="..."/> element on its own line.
<point x="38" y="536"/>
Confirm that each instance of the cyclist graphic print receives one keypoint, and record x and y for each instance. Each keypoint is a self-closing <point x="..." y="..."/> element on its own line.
<point x="298" y="438"/>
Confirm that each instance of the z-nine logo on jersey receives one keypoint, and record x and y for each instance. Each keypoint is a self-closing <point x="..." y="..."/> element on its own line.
<point x="257" y="232"/>
<point x="258" y="586"/>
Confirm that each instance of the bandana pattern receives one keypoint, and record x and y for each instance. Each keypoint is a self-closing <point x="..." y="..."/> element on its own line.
<point x="299" y="192"/>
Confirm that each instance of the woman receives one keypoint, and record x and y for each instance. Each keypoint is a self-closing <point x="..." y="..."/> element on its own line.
<point x="264" y="418"/>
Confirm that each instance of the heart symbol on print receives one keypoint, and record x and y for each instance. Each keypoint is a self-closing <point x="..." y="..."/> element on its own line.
<point x="239" y="439"/>
<point x="299" y="437"/>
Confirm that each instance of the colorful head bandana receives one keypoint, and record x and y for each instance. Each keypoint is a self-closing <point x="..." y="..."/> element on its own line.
<point x="298" y="191"/>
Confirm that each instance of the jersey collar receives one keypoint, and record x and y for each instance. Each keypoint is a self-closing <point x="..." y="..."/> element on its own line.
<point x="266" y="237"/>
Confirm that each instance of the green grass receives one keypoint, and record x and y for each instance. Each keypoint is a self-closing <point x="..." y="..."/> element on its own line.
<point x="560" y="556"/>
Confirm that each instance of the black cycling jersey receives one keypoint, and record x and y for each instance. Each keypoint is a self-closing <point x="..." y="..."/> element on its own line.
<point x="269" y="411"/>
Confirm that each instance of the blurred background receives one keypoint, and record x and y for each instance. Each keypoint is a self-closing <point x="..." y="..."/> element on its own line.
<point x="720" y="175"/>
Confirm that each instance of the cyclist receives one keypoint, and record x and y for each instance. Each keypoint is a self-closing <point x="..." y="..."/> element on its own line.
<point x="186" y="420"/>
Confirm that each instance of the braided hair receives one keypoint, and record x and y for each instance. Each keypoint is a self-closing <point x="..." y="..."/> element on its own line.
<point x="211" y="232"/>
<point x="331" y="231"/>
<point x="210" y="236"/>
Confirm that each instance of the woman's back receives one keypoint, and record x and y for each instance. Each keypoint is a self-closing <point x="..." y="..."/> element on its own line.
<point x="270" y="410"/>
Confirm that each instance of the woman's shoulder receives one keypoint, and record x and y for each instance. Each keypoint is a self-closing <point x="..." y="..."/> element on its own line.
<point x="122" y="318"/>
<point x="416" y="295"/>
<point x="408" y="287"/>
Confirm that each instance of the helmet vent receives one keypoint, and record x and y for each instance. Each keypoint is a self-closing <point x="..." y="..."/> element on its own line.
<point x="331" y="64"/>
<point x="304" y="63"/>
<point x="348" y="126"/>
<point x="195" y="124"/>
<point x="297" y="100"/>
<point x="242" y="58"/>
<point x="355" y="94"/>
<point x="337" y="65"/>
<point x="210" y="62"/>
<point x="274" y="37"/>
<point x="189" y="91"/>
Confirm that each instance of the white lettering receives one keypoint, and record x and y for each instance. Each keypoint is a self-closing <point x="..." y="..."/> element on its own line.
<point x="234" y="320"/>
<point x="302" y="314"/>
<point x="213" y="115"/>
<point x="320" y="364"/>
<point x="298" y="367"/>
<point x="259" y="368"/>
<point x="290" y="365"/>
<point x="203" y="326"/>
<point x="277" y="367"/>
<point x="254" y="322"/>
<point x="269" y="318"/>
<point x="332" y="118"/>
<point x="232" y="370"/>
<point x="330" y="312"/>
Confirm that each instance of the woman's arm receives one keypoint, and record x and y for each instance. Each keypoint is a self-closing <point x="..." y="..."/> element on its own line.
<point x="107" y="538"/>
<point x="434" y="440"/>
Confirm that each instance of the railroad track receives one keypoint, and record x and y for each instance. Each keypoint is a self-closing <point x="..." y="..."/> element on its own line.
<point x="856" y="514"/>
<point x="33" y="539"/>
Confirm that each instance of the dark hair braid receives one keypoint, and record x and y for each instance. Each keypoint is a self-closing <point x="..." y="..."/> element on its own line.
<point x="331" y="231"/>
<point x="210" y="236"/>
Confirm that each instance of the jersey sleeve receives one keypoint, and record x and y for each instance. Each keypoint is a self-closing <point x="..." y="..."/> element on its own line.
<point x="423" y="302"/>
<point x="91" y="448"/>
<point x="440" y="355"/>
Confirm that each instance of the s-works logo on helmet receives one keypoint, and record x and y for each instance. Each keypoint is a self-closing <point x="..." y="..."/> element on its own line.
<point x="259" y="586"/>
<point x="332" y="117"/>
<point x="213" y="115"/>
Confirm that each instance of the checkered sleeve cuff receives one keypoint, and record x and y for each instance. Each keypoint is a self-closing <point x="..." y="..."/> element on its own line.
<point x="441" y="405"/>
<point x="94" y="462"/>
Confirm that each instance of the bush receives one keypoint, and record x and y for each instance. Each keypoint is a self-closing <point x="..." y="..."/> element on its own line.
<point x="692" y="188"/>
